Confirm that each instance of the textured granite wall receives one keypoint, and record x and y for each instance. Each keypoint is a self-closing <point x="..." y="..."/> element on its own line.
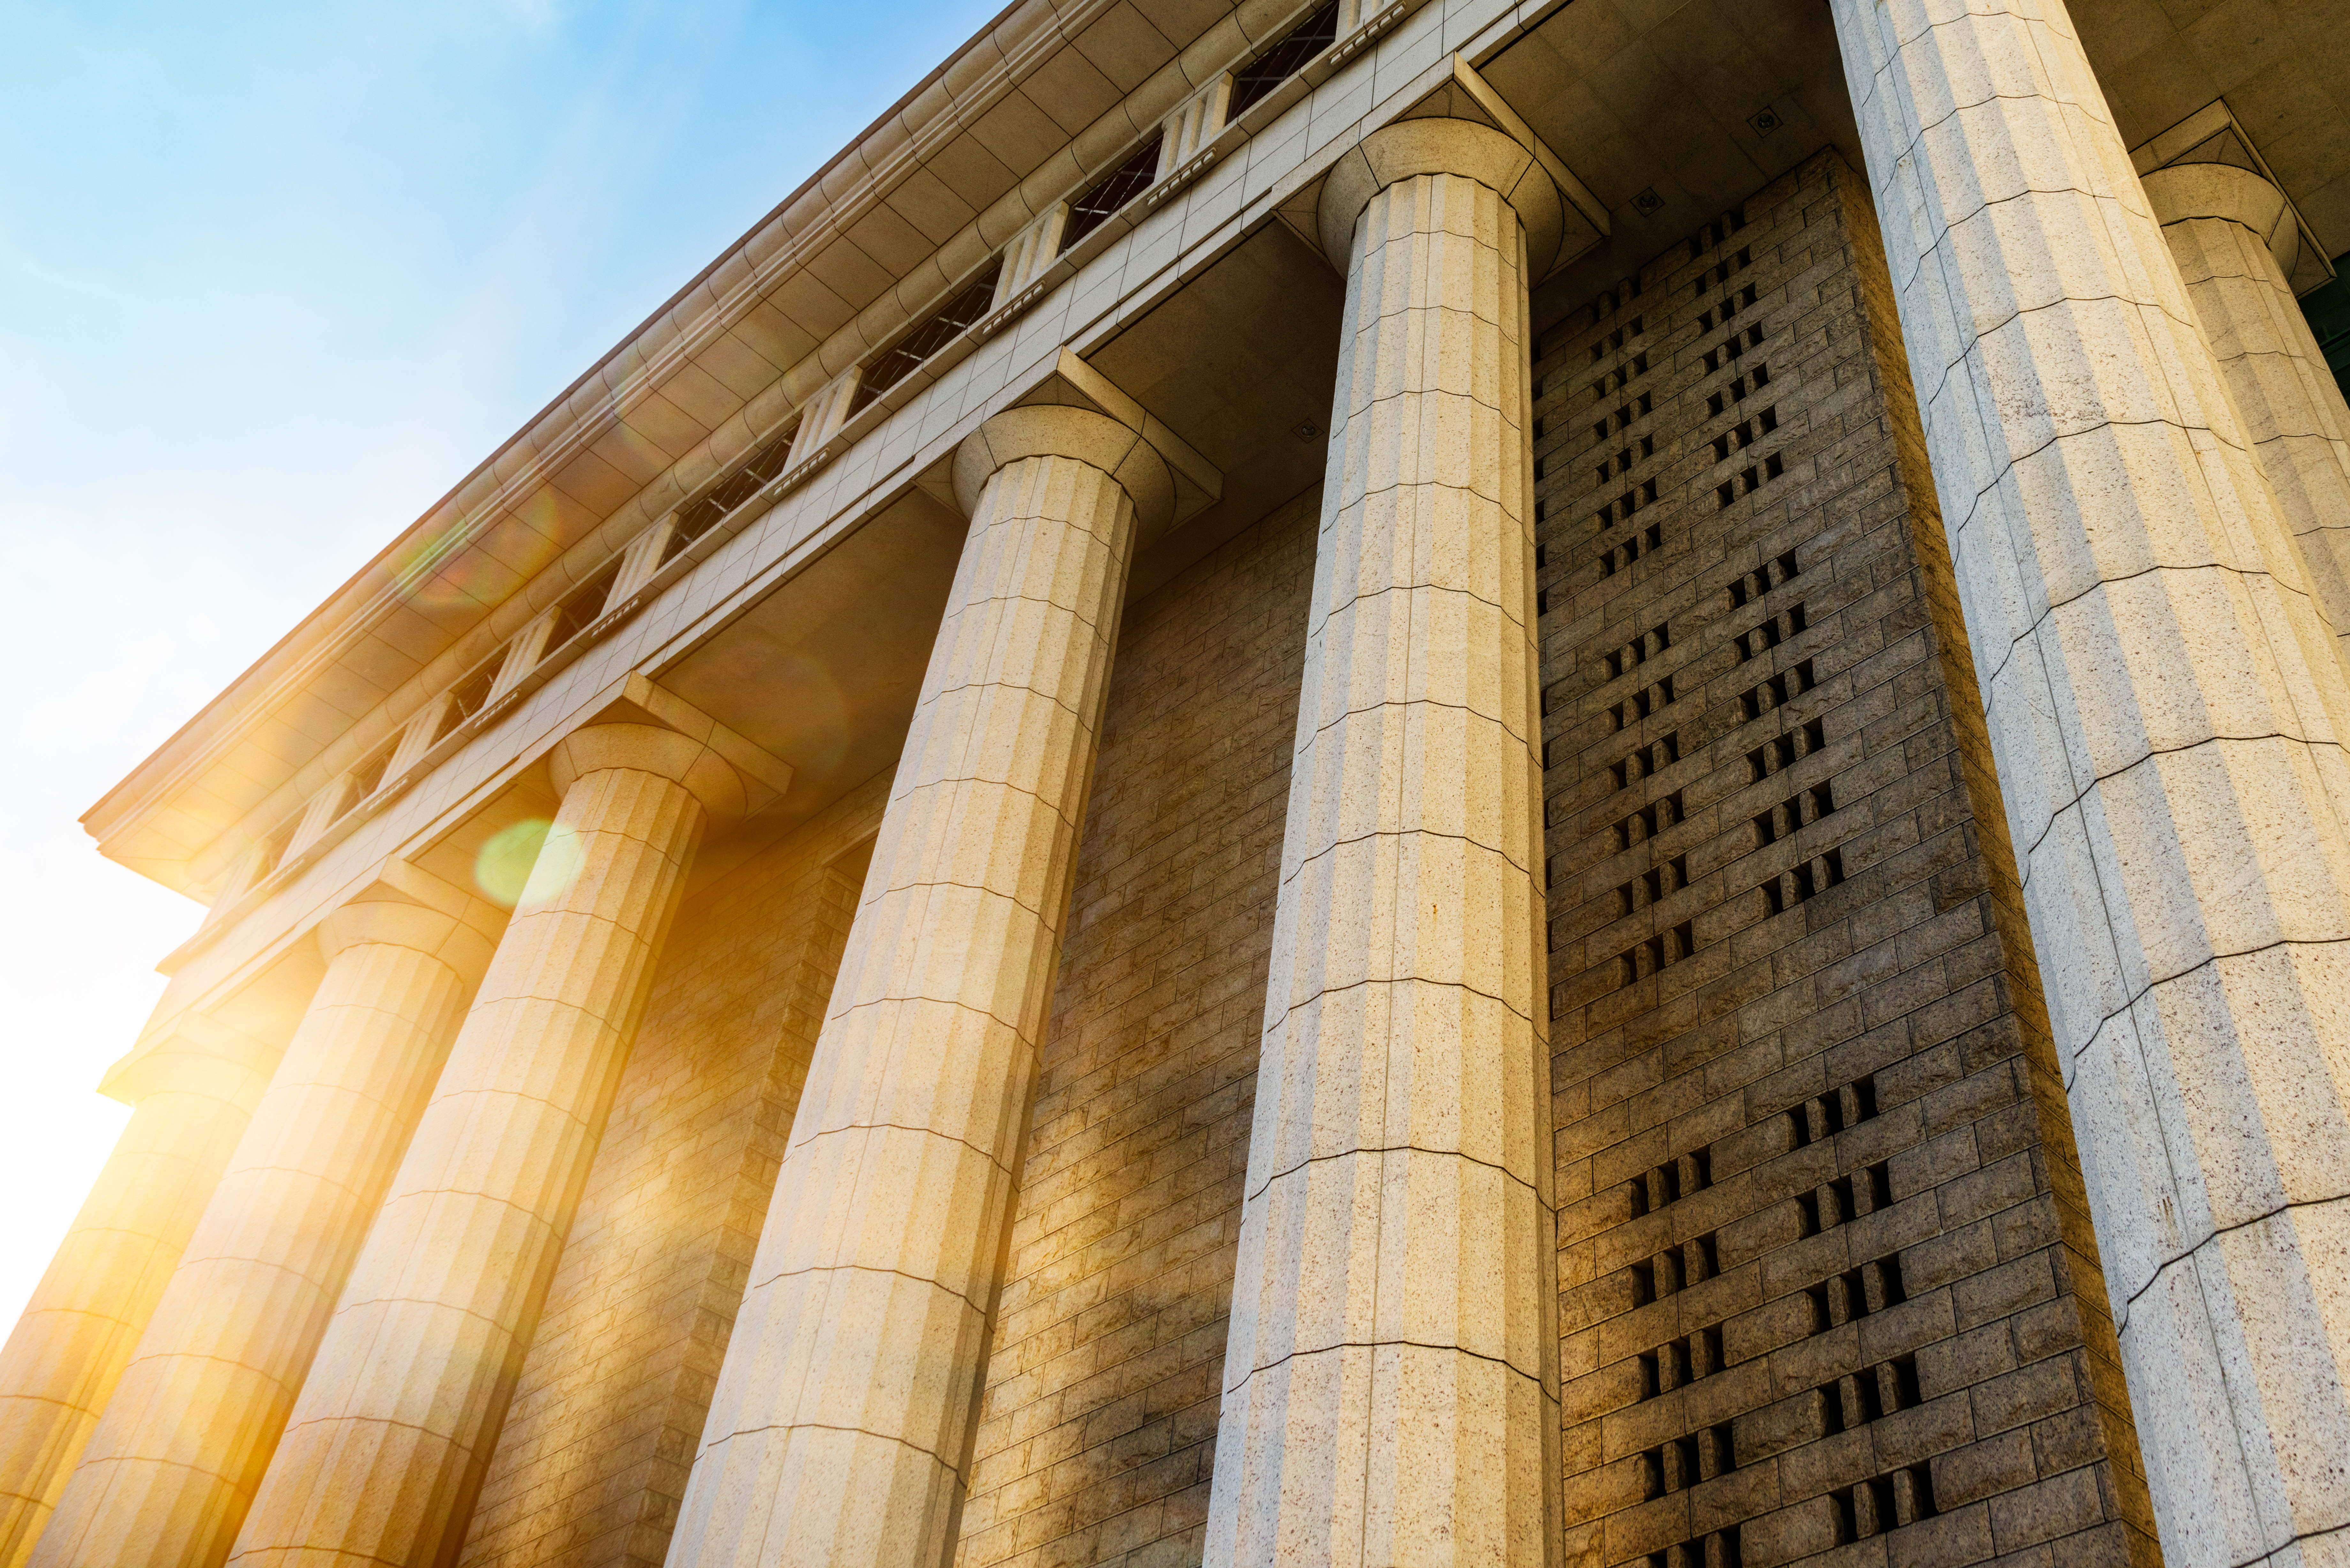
<point x="1827" y="1281"/>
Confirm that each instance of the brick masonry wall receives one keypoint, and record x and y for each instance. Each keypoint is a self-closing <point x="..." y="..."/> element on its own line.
<point x="598" y="1443"/>
<point x="1828" y="1288"/>
<point x="1099" y="1425"/>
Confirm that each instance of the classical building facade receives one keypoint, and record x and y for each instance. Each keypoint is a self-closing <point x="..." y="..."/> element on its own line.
<point x="1461" y="783"/>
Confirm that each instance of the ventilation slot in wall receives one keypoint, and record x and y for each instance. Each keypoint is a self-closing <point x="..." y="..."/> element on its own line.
<point x="1660" y="952"/>
<point x="1675" y="1268"/>
<point x="1804" y="881"/>
<point x="1651" y="885"/>
<point x="1616" y="558"/>
<point x="1741" y="435"/>
<point x="1822" y="1118"/>
<point x="1649" y="820"/>
<point x="1622" y="461"/>
<point x="1641" y="705"/>
<point x="1872" y="1507"/>
<point x="1733" y="346"/>
<point x="1754" y="380"/>
<point x="1721" y="271"/>
<point x="1776" y="692"/>
<point x="1680" y="1463"/>
<point x="1646" y="762"/>
<point x="1680" y="1361"/>
<point x="1795" y="814"/>
<point x="1750" y="480"/>
<point x="1661" y="1186"/>
<point x="1780" y="753"/>
<point x="1718" y="1549"/>
<point x="1635" y="409"/>
<point x="1869" y="1395"/>
<point x="1654" y="641"/>
<point x="1770" y="574"/>
<point x="1856" y="1292"/>
<point x="1760" y="638"/>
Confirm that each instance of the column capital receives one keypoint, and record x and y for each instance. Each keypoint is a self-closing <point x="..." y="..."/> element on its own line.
<point x="1053" y="430"/>
<point x="654" y="749"/>
<point x="641" y="725"/>
<point x="1405" y="148"/>
<point x="2182" y="192"/>
<point x="432" y="933"/>
<point x="405" y="906"/>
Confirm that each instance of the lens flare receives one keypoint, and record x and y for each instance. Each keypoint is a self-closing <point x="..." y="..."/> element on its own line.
<point x="533" y="859"/>
<point x="502" y="867"/>
<point x="560" y="860"/>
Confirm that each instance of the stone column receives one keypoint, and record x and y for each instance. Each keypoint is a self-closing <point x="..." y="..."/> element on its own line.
<point x="2235" y="242"/>
<point x="384" y="1452"/>
<point x="168" y="1475"/>
<point x="2166" y="711"/>
<point x="192" y="1091"/>
<point x="840" y="1432"/>
<point x="1390" y="1384"/>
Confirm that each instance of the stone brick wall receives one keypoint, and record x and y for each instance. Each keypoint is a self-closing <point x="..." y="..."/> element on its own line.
<point x="1827" y="1284"/>
<point x="1099" y="1419"/>
<point x="604" y="1423"/>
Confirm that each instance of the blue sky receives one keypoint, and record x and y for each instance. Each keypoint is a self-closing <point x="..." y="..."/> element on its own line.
<point x="273" y="278"/>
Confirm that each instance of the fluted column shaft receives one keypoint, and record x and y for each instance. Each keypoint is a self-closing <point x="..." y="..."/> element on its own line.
<point x="167" y="1477"/>
<point x="841" y="1430"/>
<point x="192" y="1093"/>
<point x="2166" y="711"/>
<point x="383" y="1454"/>
<point x="2223" y="224"/>
<point x="1390" y="1383"/>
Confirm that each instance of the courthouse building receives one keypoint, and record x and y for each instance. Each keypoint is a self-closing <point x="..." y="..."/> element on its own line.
<point x="1439" y="784"/>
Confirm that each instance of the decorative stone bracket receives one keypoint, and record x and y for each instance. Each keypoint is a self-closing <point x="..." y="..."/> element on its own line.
<point x="636" y="700"/>
<point x="1455" y="91"/>
<point x="1070" y="382"/>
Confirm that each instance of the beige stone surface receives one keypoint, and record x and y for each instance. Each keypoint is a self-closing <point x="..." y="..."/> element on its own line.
<point x="1099" y="1425"/>
<point x="1391" y="1376"/>
<point x="2166" y="711"/>
<point x="2234" y="238"/>
<point x="598" y="1441"/>
<point x="1844" y="1078"/>
<point x="842" y="1421"/>
<point x="386" y="1447"/>
<point x="192" y="1093"/>
<point x="173" y="1466"/>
